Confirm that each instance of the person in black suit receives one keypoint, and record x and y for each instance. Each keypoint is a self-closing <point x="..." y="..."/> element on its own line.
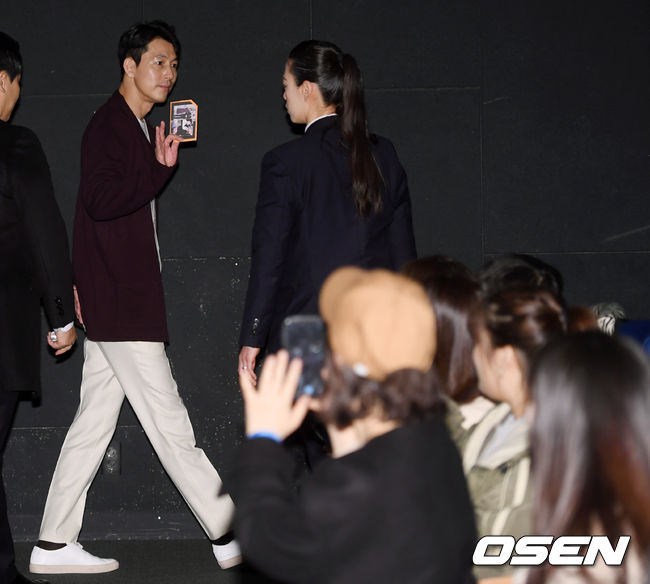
<point x="336" y="196"/>
<point x="34" y="267"/>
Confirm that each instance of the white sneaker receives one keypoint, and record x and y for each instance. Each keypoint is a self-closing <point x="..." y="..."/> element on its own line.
<point x="228" y="555"/>
<point x="71" y="559"/>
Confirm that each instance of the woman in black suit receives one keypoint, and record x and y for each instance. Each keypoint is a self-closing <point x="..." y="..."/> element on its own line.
<point x="336" y="196"/>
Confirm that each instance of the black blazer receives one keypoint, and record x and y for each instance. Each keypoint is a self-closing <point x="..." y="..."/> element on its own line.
<point x="34" y="258"/>
<point x="306" y="226"/>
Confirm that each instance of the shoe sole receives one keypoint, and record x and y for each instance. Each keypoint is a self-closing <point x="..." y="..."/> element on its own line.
<point x="73" y="569"/>
<point x="230" y="562"/>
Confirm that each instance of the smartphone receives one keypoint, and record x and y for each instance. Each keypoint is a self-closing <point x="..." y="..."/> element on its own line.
<point x="303" y="336"/>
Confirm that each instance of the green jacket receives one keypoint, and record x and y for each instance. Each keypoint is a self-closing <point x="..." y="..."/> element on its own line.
<point x="499" y="485"/>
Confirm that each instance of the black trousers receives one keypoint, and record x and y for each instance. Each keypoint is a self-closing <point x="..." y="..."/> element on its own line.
<point x="8" y="404"/>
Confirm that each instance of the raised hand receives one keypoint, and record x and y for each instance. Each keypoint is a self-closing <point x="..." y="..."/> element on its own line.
<point x="271" y="407"/>
<point x="166" y="147"/>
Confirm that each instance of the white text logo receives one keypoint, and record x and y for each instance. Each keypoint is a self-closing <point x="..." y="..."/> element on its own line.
<point x="533" y="550"/>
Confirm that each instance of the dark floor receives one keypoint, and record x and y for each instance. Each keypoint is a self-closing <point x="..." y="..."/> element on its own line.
<point x="179" y="561"/>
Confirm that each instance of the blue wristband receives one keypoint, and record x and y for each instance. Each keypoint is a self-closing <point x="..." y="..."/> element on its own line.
<point x="265" y="434"/>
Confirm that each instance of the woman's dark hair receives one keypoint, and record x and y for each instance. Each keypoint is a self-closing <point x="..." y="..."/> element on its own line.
<point x="405" y="396"/>
<point x="454" y="294"/>
<point x="581" y="318"/>
<point x="590" y="440"/>
<point x="133" y="43"/>
<point x="339" y="79"/>
<point x="10" y="58"/>
<point x="524" y="318"/>
<point x="520" y="270"/>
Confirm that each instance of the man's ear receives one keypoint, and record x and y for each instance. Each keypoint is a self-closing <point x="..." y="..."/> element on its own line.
<point x="4" y="81"/>
<point x="129" y="67"/>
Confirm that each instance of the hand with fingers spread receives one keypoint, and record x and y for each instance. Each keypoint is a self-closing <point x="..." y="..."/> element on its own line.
<point x="166" y="148"/>
<point x="271" y="408"/>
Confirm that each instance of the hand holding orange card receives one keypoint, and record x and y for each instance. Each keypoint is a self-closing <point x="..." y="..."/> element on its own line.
<point x="184" y="119"/>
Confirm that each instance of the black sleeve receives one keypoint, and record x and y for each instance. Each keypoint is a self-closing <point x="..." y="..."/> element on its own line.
<point x="402" y="238"/>
<point x="31" y="185"/>
<point x="274" y="532"/>
<point x="274" y="217"/>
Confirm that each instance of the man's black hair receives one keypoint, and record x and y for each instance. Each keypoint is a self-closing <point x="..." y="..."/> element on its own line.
<point x="133" y="43"/>
<point x="10" y="59"/>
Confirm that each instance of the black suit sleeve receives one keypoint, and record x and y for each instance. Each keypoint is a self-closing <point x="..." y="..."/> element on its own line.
<point x="274" y="217"/>
<point x="402" y="239"/>
<point x="31" y="184"/>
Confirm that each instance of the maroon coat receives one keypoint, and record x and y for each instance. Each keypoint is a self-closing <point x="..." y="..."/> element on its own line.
<point x="114" y="254"/>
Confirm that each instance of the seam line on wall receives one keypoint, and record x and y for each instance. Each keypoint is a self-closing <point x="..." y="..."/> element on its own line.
<point x="406" y="89"/>
<point x="574" y="252"/>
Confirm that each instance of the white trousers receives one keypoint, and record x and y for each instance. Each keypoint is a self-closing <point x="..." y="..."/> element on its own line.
<point x="141" y="372"/>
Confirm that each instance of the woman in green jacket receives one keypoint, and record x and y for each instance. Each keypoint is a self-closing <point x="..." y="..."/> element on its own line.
<point x="509" y="328"/>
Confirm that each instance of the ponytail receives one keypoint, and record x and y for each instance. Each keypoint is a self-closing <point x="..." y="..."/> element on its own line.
<point x="339" y="79"/>
<point x="367" y="182"/>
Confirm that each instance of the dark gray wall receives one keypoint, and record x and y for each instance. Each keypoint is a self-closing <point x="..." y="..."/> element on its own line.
<point x="523" y="126"/>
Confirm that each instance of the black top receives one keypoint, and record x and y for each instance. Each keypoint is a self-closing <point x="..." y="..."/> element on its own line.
<point x="397" y="510"/>
<point x="34" y="258"/>
<point x="306" y="226"/>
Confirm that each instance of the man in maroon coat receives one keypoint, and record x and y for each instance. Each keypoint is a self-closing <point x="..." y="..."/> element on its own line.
<point x="116" y="263"/>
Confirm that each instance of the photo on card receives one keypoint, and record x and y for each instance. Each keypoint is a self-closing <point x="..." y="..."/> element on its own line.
<point x="184" y="119"/>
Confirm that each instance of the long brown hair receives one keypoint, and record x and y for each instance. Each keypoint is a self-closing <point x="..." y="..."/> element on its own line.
<point x="340" y="82"/>
<point x="590" y="440"/>
<point x="454" y="294"/>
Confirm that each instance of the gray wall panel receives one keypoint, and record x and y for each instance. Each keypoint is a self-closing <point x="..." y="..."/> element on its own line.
<point x="565" y="129"/>
<point x="71" y="47"/>
<point x="436" y="134"/>
<point x="405" y="44"/>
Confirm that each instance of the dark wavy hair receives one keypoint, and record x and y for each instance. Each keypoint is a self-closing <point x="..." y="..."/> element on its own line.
<point x="11" y="60"/>
<point x="133" y="43"/>
<point x="454" y="294"/>
<point x="405" y="396"/>
<point x="340" y="82"/>
<point x="590" y="440"/>
<point x="524" y="318"/>
<point x="518" y="270"/>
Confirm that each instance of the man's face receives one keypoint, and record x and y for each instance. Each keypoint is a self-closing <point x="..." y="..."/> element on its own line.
<point x="11" y="90"/>
<point x="156" y="73"/>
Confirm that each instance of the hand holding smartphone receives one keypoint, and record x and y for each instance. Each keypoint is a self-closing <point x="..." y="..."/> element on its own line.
<point x="303" y="336"/>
